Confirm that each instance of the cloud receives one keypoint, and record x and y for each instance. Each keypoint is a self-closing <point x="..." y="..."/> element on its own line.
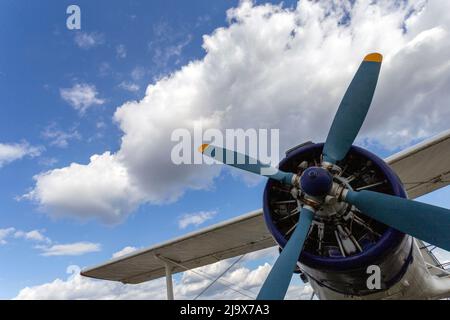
<point x="104" y="69"/>
<point x="103" y="186"/>
<point x="121" y="51"/>
<point x="245" y="282"/>
<point x="164" y="53"/>
<point x="124" y="252"/>
<point x="70" y="249"/>
<point x="129" y="86"/>
<point x="276" y="67"/>
<point x="58" y="137"/>
<point x="48" y="162"/>
<point x="137" y="73"/>
<point x="45" y="244"/>
<point x="16" y="151"/>
<point x="81" y="96"/>
<point x="195" y="219"/>
<point x="86" y="40"/>
<point x="201" y="20"/>
<point x="100" y="125"/>
<point x="442" y="255"/>
<point x="167" y="45"/>
<point x="4" y="233"/>
<point x="34" y="235"/>
<point x="269" y="254"/>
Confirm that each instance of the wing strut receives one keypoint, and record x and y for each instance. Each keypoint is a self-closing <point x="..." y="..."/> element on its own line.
<point x="169" y="281"/>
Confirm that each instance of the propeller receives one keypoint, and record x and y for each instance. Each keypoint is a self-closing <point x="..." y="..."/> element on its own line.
<point x="353" y="109"/>
<point x="277" y="282"/>
<point x="246" y="163"/>
<point x="424" y="221"/>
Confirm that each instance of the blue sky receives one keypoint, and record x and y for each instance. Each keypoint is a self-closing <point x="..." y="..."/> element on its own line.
<point x="43" y="57"/>
<point x="122" y="47"/>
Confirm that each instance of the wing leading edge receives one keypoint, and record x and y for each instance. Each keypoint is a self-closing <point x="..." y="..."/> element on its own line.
<point x="422" y="168"/>
<point x="244" y="234"/>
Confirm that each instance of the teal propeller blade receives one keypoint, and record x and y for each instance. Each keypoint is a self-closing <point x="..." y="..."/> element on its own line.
<point x="245" y="162"/>
<point x="277" y="282"/>
<point x="423" y="221"/>
<point x="353" y="109"/>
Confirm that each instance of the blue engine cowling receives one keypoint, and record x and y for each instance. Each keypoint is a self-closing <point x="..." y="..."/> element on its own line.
<point x="391" y="251"/>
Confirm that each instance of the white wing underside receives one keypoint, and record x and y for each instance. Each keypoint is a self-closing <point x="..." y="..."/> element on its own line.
<point x="422" y="168"/>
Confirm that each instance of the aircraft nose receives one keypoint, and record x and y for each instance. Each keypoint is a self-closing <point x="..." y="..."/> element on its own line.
<point x="316" y="181"/>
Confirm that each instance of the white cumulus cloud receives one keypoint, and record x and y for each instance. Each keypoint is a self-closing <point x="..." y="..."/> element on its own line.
<point x="121" y="51"/>
<point x="126" y="250"/>
<point x="46" y="246"/>
<point x="240" y="282"/>
<point x="70" y="249"/>
<point x="101" y="189"/>
<point x="4" y="233"/>
<point x="271" y="67"/>
<point x="81" y="96"/>
<point x="86" y="40"/>
<point x="129" y="86"/>
<point x="16" y="151"/>
<point x="34" y="235"/>
<point x="58" y="137"/>
<point x="195" y="219"/>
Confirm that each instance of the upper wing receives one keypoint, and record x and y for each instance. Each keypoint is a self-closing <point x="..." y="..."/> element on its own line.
<point x="422" y="168"/>
<point x="228" y="239"/>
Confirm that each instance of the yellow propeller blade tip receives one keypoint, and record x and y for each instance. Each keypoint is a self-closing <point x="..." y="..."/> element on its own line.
<point x="203" y="147"/>
<point x="374" y="57"/>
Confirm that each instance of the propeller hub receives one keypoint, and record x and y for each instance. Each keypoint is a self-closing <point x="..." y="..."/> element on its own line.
<point x="316" y="181"/>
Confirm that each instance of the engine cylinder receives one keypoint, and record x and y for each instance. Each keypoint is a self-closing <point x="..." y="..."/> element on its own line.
<point x="343" y="243"/>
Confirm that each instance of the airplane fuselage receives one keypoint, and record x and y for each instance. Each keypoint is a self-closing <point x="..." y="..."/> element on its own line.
<point x="416" y="283"/>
